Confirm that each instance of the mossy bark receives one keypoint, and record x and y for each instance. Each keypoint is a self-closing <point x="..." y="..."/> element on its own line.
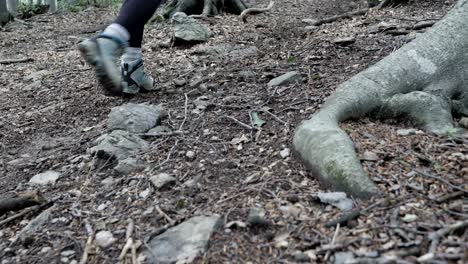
<point x="425" y="81"/>
<point x="203" y="7"/>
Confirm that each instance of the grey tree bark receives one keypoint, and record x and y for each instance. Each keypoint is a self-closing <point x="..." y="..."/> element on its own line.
<point x="13" y="7"/>
<point x="425" y="80"/>
<point x="203" y="7"/>
<point x="4" y="14"/>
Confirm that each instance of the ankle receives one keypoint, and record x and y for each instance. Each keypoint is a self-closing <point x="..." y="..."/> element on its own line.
<point x="132" y="55"/>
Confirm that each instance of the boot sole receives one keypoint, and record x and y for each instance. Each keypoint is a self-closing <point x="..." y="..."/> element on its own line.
<point x="90" y="52"/>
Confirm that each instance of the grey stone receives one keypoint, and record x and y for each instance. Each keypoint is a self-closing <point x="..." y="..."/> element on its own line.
<point x="344" y="41"/>
<point x="300" y="256"/>
<point x="161" y="180"/>
<point x="311" y="29"/>
<point x="370" y="156"/>
<point x="343" y="257"/>
<point x="257" y="217"/>
<point x="47" y="177"/>
<point x="337" y="199"/>
<point x="135" y="118"/>
<point x="108" y="182"/>
<point x="285" y="79"/>
<point x="187" y="29"/>
<point x="118" y="144"/>
<point x="310" y="21"/>
<point x="105" y="239"/>
<point x="406" y="132"/>
<point x="158" y="131"/>
<point x="128" y="166"/>
<point x="184" y="242"/>
<point x="190" y="155"/>
<point x="285" y="153"/>
<point x="35" y="225"/>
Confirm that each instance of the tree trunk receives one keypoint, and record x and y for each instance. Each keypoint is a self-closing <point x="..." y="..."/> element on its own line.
<point x="425" y="81"/>
<point x="203" y="7"/>
<point x="13" y="7"/>
<point x="52" y="6"/>
<point x="4" y="14"/>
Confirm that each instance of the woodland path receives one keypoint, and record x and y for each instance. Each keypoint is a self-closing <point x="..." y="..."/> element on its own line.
<point x="51" y="111"/>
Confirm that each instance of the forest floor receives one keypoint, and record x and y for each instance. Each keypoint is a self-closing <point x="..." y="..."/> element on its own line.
<point x="51" y="111"/>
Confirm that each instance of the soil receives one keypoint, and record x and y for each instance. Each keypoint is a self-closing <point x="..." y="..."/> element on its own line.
<point x="52" y="110"/>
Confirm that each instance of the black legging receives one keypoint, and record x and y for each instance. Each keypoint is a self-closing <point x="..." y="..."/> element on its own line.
<point x="133" y="16"/>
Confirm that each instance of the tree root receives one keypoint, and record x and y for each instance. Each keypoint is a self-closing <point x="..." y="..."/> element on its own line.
<point x="425" y="80"/>
<point x="331" y="19"/>
<point x="254" y="11"/>
<point x="202" y="7"/>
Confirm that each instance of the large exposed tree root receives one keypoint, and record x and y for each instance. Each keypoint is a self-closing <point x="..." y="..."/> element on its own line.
<point x="211" y="8"/>
<point x="426" y="80"/>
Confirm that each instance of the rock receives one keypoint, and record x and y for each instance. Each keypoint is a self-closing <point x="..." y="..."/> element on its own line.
<point x="187" y="29"/>
<point x="290" y="211"/>
<point x="158" y="131"/>
<point x="311" y="29"/>
<point x="343" y="257"/>
<point x="410" y="218"/>
<point x="18" y="163"/>
<point x="184" y="242"/>
<point x="108" y="182"/>
<point x="135" y="118"/>
<point x="34" y="226"/>
<point x="285" y="79"/>
<point x="464" y="122"/>
<point x="105" y="239"/>
<point x="369" y="156"/>
<point x="344" y="41"/>
<point x="247" y="75"/>
<point x="312" y="22"/>
<point x="67" y="253"/>
<point x="406" y="132"/>
<point x="257" y="217"/>
<point x="285" y="153"/>
<point x="161" y="180"/>
<point x="300" y="256"/>
<point x="337" y="199"/>
<point x="118" y="144"/>
<point x="48" y="177"/>
<point x="128" y="166"/>
<point x="190" y="155"/>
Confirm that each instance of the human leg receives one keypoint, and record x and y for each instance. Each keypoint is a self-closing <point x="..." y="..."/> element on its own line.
<point x="104" y="50"/>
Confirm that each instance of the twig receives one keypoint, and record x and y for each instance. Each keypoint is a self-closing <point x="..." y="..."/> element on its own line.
<point x="344" y="218"/>
<point x="129" y="245"/>
<point x="161" y="212"/>
<point x="18" y="215"/>
<point x="425" y="174"/>
<point x="167" y="158"/>
<point x="89" y="242"/>
<point x="435" y="237"/>
<point x="185" y="111"/>
<point x="333" y="241"/>
<point x="239" y="122"/>
<point x="254" y="11"/>
<point x="274" y="116"/>
<point x="12" y="61"/>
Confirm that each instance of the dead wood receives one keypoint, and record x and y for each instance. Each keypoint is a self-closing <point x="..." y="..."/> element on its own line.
<point x="20" y="201"/>
<point x="255" y="11"/>
<point x="342" y="16"/>
<point x="12" y="61"/>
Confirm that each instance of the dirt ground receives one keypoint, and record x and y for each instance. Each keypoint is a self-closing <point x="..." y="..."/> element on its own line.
<point x="51" y="111"/>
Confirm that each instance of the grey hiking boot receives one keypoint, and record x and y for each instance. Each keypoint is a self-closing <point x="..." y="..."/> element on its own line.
<point x="103" y="52"/>
<point x="135" y="79"/>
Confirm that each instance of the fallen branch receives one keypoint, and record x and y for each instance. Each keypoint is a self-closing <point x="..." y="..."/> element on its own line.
<point x="338" y="17"/>
<point x="12" y="61"/>
<point x="435" y="237"/>
<point x="129" y="245"/>
<point x="344" y="218"/>
<point x="461" y="189"/>
<point x="89" y="243"/>
<point x="239" y="122"/>
<point x="255" y="11"/>
<point x="21" y="201"/>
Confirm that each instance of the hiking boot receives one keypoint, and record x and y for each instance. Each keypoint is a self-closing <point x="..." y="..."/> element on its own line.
<point x="135" y="79"/>
<point x="103" y="52"/>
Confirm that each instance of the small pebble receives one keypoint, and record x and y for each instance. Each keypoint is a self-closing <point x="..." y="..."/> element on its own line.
<point x="105" y="239"/>
<point x="190" y="155"/>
